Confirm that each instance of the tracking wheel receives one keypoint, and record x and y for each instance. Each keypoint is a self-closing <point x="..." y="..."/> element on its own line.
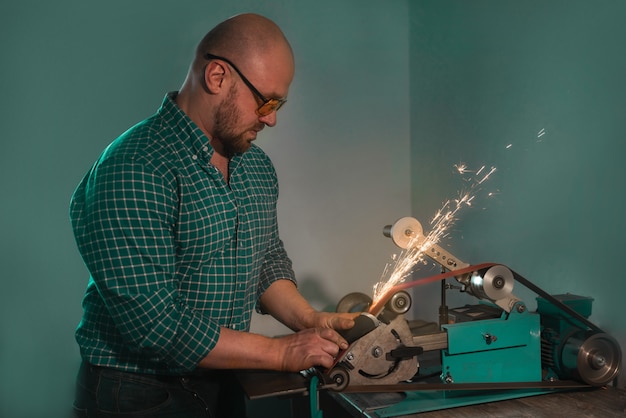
<point x="340" y="377"/>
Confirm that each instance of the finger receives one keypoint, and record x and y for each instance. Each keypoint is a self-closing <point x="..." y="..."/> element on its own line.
<point x="324" y="361"/>
<point x="334" y="337"/>
<point x="343" y="321"/>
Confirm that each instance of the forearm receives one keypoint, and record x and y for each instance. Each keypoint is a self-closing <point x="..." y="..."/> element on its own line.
<point x="284" y="302"/>
<point x="243" y="350"/>
<point x="315" y="344"/>
<point x="294" y="352"/>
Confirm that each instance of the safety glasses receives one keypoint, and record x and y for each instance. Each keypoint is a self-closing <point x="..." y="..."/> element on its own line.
<point x="269" y="105"/>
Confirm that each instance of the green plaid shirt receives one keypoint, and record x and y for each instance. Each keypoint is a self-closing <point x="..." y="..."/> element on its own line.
<point x="174" y="251"/>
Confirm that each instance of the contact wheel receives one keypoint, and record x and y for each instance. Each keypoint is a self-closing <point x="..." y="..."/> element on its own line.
<point x="399" y="303"/>
<point x="354" y="302"/>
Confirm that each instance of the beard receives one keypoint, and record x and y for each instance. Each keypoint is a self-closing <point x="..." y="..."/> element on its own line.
<point x="227" y="125"/>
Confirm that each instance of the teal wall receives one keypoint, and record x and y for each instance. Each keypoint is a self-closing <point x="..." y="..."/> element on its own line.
<point x="489" y="74"/>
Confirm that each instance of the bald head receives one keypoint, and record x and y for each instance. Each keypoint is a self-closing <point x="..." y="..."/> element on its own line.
<point x="246" y="40"/>
<point x="243" y="36"/>
<point x="255" y="44"/>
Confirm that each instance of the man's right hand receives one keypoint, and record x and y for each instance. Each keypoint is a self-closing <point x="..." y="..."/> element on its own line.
<point x="294" y="352"/>
<point x="309" y="348"/>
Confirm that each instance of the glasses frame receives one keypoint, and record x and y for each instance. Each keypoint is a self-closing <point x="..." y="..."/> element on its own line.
<point x="269" y="105"/>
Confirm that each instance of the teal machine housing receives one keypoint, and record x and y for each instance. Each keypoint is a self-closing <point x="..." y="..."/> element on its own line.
<point x="513" y="354"/>
<point x="506" y="349"/>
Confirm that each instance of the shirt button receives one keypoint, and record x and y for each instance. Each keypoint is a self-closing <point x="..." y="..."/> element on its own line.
<point x="194" y="157"/>
<point x="205" y="149"/>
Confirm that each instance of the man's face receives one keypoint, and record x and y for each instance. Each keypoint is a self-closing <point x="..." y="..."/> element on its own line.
<point x="238" y="118"/>
<point x="233" y="131"/>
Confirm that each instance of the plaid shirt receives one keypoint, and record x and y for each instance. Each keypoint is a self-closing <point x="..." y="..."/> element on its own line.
<point x="174" y="251"/>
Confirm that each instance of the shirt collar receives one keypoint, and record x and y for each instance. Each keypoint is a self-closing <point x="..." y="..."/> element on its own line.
<point x="186" y="129"/>
<point x="190" y="133"/>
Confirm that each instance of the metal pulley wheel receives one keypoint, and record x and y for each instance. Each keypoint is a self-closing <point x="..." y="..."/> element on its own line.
<point x="340" y="377"/>
<point x="354" y="302"/>
<point x="493" y="284"/>
<point x="399" y="303"/>
<point x="404" y="232"/>
<point x="595" y="359"/>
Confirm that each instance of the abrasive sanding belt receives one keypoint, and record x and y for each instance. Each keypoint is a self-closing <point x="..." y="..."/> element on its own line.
<point x="377" y="307"/>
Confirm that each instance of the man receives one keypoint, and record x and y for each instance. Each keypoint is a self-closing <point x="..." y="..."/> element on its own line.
<point x="176" y="222"/>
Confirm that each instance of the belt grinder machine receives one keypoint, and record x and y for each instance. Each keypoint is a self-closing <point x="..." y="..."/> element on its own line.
<point x="492" y="351"/>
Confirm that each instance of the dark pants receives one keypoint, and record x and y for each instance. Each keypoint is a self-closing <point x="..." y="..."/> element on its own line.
<point x="105" y="392"/>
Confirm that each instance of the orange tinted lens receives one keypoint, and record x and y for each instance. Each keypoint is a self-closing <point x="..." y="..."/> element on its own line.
<point x="270" y="106"/>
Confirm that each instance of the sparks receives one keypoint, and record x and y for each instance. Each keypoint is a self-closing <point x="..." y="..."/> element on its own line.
<point x="461" y="168"/>
<point x="493" y="169"/>
<point x="402" y="266"/>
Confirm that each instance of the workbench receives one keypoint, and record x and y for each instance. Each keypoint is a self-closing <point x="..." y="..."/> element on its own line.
<point x="597" y="402"/>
